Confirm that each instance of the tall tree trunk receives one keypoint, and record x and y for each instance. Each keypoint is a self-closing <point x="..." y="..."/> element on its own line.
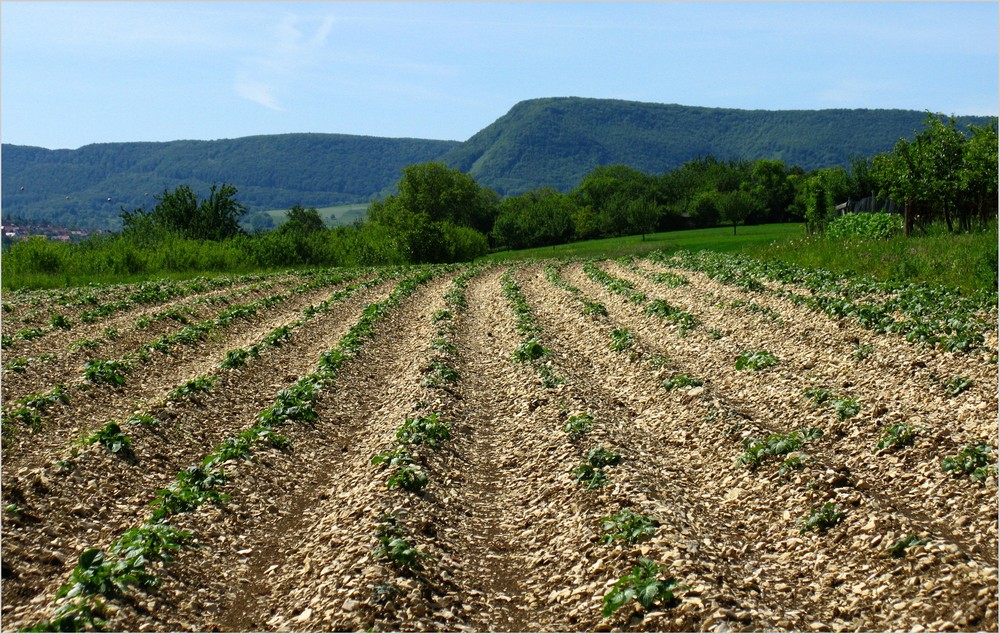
<point x="908" y="217"/>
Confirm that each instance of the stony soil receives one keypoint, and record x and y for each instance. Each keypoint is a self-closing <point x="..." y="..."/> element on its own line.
<point x="513" y="543"/>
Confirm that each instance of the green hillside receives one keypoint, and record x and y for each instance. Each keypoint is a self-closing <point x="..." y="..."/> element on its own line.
<point x="72" y="187"/>
<point x="563" y="139"/>
<point x="541" y="142"/>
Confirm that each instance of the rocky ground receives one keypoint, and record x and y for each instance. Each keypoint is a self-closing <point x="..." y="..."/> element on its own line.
<point x="510" y="540"/>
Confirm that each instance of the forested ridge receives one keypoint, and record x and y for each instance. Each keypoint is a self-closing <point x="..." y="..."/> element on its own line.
<point x="551" y="142"/>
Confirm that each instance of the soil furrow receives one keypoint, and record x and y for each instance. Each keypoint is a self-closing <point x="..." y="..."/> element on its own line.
<point x="910" y="480"/>
<point x="873" y="529"/>
<point x="61" y="362"/>
<point x="93" y="496"/>
<point x="90" y="405"/>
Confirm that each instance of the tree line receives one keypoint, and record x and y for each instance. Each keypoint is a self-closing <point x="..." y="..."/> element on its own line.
<point x="440" y="214"/>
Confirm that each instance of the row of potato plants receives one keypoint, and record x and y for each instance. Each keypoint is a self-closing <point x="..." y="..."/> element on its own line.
<point x="395" y="542"/>
<point x="755" y="449"/>
<point x="530" y="349"/>
<point x="148" y="292"/>
<point x="975" y="460"/>
<point x="100" y="576"/>
<point x="28" y="410"/>
<point x="643" y="583"/>
<point x="921" y="313"/>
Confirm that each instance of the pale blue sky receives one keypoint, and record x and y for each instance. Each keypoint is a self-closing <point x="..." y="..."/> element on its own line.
<point x="75" y="73"/>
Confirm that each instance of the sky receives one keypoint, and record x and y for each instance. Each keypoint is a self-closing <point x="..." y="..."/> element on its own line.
<point x="75" y="73"/>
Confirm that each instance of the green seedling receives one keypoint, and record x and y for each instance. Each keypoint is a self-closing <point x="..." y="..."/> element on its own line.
<point x="957" y="385"/>
<point x="680" y="380"/>
<point x="898" y="549"/>
<point x="897" y="436"/>
<point x="972" y="460"/>
<point x="106" y="371"/>
<point x="530" y="350"/>
<point x="642" y="584"/>
<point x="822" y="518"/>
<point x="621" y="339"/>
<point x="755" y="361"/>
<point x="628" y="527"/>
<point x="113" y="439"/>
<point x="578" y="425"/>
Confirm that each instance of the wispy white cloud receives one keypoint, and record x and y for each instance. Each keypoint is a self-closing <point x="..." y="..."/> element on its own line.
<point x="294" y="44"/>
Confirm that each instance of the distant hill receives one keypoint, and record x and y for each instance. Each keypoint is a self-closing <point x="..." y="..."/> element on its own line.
<point x="554" y="141"/>
<point x="72" y="187"/>
<point x="562" y="139"/>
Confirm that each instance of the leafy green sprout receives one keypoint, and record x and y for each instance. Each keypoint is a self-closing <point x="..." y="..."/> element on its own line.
<point x="818" y="395"/>
<point x="594" y="309"/>
<point x="846" y="407"/>
<point x="644" y="585"/>
<point x="196" y="385"/>
<point x="106" y="371"/>
<point x="680" y="380"/>
<point x="408" y="477"/>
<point x="424" y="430"/>
<point x="395" y="549"/>
<point x="957" y="385"/>
<point x="899" y="548"/>
<point x="621" y="339"/>
<point x="578" y="425"/>
<point x="756" y="450"/>
<point x="822" y="518"/>
<point x="530" y="350"/>
<point x="144" y="420"/>
<point x="897" y="436"/>
<point x="113" y="439"/>
<point x="863" y="351"/>
<point x="60" y="322"/>
<point x="755" y="360"/>
<point x="628" y="527"/>
<point x="587" y="474"/>
<point x="972" y="460"/>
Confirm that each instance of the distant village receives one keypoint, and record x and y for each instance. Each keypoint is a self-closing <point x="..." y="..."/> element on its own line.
<point x="23" y="231"/>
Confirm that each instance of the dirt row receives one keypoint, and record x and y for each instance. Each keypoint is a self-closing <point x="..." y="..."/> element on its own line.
<point x="513" y="543"/>
<point x="816" y="352"/>
<point x="58" y="359"/>
<point x="90" y="405"/>
<point x="54" y="338"/>
<point x="75" y="496"/>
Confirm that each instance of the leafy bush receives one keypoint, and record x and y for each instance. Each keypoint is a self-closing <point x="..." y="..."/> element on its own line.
<point x="899" y="548"/>
<point x="106" y="371"/>
<point x="409" y="477"/>
<point x="113" y="439"/>
<point x="394" y="548"/>
<point x="896" y="436"/>
<point x="621" y="339"/>
<point x="680" y="380"/>
<point x="876" y="226"/>
<point x="194" y="386"/>
<point x="756" y="450"/>
<point x="846" y="407"/>
<point x="578" y="425"/>
<point x="957" y="385"/>
<point x="424" y="430"/>
<point x="530" y="350"/>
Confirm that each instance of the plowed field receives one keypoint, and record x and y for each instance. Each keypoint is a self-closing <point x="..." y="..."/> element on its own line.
<point x="202" y="459"/>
